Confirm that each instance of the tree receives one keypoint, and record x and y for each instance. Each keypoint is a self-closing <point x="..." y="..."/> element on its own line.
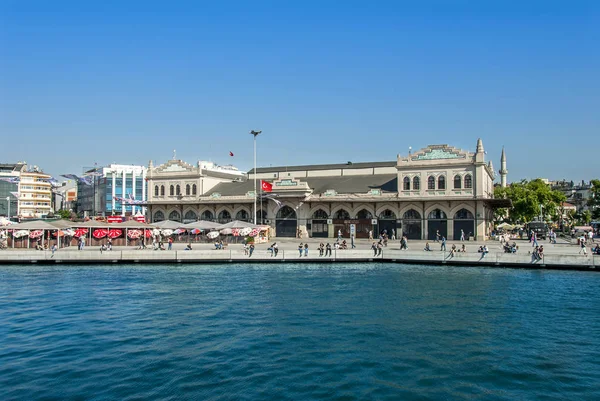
<point x="530" y="199"/>
<point x="594" y="200"/>
<point x="64" y="214"/>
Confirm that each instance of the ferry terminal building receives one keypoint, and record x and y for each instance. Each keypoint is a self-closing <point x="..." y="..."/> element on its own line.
<point x="438" y="188"/>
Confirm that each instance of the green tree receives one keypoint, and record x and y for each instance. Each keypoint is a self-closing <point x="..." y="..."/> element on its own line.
<point x="64" y="214"/>
<point x="530" y="199"/>
<point x="594" y="200"/>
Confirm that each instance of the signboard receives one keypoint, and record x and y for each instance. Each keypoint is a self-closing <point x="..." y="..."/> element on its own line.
<point x="114" y="219"/>
<point x="352" y="230"/>
<point x="329" y="221"/>
<point x="374" y="222"/>
<point x="140" y="219"/>
<point x="286" y="183"/>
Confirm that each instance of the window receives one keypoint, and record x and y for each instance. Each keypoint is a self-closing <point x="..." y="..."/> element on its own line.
<point x="178" y="190"/>
<point x="171" y="190"/>
<point x="206" y="215"/>
<point x="437" y="214"/>
<point x="159" y="216"/>
<point x="341" y="215"/>
<point x="156" y="190"/>
<point x="441" y="182"/>
<point x="187" y="189"/>
<point x="175" y="216"/>
<point x="406" y="184"/>
<point x="242" y="215"/>
<point x="320" y="214"/>
<point x="468" y="181"/>
<point x="416" y="183"/>
<point x="411" y="214"/>
<point x="364" y="214"/>
<point x="463" y="214"/>
<point x="162" y="190"/>
<point x="430" y="182"/>
<point x="387" y="214"/>
<point x="457" y="181"/>
<point x="194" y="188"/>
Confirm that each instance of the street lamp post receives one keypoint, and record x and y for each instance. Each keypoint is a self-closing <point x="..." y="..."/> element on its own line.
<point x="255" y="134"/>
<point x="8" y="209"/>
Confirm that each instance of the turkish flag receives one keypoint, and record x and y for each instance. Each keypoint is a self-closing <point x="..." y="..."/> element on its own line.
<point x="266" y="186"/>
<point x="230" y="153"/>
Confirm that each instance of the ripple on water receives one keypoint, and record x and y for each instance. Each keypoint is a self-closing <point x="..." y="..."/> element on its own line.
<point x="289" y="332"/>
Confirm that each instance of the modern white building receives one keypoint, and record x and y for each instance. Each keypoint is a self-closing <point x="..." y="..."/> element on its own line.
<point x="26" y="189"/>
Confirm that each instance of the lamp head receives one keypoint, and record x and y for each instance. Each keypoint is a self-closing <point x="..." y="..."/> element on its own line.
<point x="255" y="133"/>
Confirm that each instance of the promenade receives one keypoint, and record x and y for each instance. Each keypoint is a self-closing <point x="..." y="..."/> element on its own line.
<point x="558" y="256"/>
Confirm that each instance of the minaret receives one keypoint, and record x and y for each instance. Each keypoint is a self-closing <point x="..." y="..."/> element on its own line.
<point x="503" y="171"/>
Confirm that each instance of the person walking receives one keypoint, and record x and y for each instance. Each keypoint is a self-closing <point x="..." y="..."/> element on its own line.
<point x="251" y="250"/>
<point x="300" y="249"/>
<point x="352" y="241"/>
<point x="340" y="235"/>
<point x="370" y="234"/>
<point x="275" y="249"/>
<point x="443" y="247"/>
<point x="534" y="240"/>
<point x="437" y="236"/>
<point x="328" y="249"/>
<point x="170" y="244"/>
<point x="462" y="235"/>
<point x="321" y="249"/>
<point x="404" y="243"/>
<point x="306" y="249"/>
<point x="379" y="248"/>
<point x="393" y="235"/>
<point x="583" y="247"/>
<point x="82" y="243"/>
<point x="374" y="248"/>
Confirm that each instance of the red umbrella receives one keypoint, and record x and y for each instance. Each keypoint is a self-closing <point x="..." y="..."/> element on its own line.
<point x="134" y="234"/>
<point x="60" y="234"/>
<point x="36" y="233"/>
<point x="81" y="232"/>
<point x="114" y="233"/>
<point x="148" y="233"/>
<point x="100" y="233"/>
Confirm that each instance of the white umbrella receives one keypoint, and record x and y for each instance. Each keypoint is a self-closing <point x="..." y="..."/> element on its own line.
<point x="213" y="234"/>
<point x="245" y="231"/>
<point x="166" y="232"/>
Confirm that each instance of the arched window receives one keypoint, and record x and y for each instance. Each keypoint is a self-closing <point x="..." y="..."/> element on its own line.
<point x="224" y="216"/>
<point x="190" y="215"/>
<point x="286" y="212"/>
<point x="158" y="216"/>
<point x="406" y="184"/>
<point x="411" y="214"/>
<point x="464" y="214"/>
<point x="207" y="215"/>
<point x="242" y="215"/>
<point x="178" y="190"/>
<point x="387" y="214"/>
<point x="457" y="181"/>
<point x="468" y="181"/>
<point x="431" y="182"/>
<point x="320" y="214"/>
<point x="437" y="214"/>
<point x="341" y="214"/>
<point x="171" y="190"/>
<point x="194" y="189"/>
<point x="188" y="189"/>
<point x="174" y="216"/>
<point x="364" y="214"/>
<point x="261" y="215"/>
<point x="162" y="190"/>
<point x="156" y="190"/>
<point x="441" y="182"/>
<point x="416" y="183"/>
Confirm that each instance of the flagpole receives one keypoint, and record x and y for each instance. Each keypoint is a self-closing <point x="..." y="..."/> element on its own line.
<point x="255" y="133"/>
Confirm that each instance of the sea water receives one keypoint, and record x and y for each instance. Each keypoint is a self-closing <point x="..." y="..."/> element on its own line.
<point x="298" y="332"/>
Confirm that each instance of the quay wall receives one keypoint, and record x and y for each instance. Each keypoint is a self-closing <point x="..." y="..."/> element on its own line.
<point x="567" y="262"/>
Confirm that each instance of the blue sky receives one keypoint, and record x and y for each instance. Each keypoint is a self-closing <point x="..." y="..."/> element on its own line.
<point x="326" y="82"/>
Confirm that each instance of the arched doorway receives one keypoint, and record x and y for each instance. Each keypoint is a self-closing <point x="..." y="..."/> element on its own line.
<point x="285" y="222"/>
<point x="174" y="216"/>
<point x="341" y="222"/>
<point x="387" y="222"/>
<point x="465" y="221"/>
<point x="242" y="215"/>
<point x="319" y="227"/>
<point x="437" y="221"/>
<point x="412" y="224"/>
<point x="190" y="216"/>
<point x="224" y="217"/>
<point x="207" y="215"/>
<point x="158" y="216"/>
